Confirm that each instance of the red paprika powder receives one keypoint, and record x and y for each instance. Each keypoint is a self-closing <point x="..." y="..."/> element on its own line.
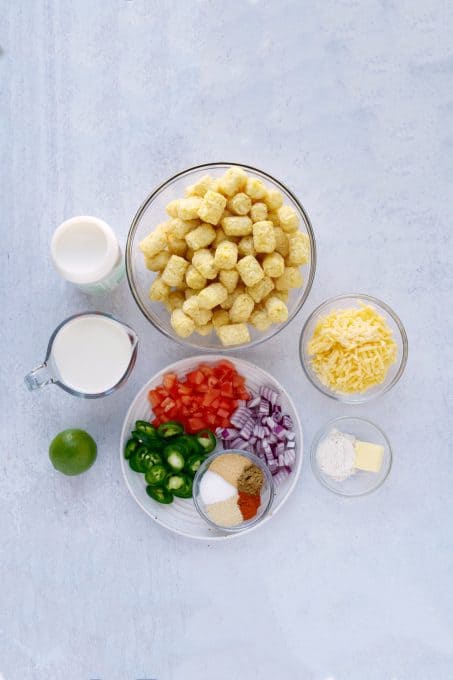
<point x="248" y="504"/>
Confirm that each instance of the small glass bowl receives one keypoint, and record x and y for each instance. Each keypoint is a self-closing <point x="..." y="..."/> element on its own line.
<point x="361" y="482"/>
<point x="399" y="334"/>
<point x="152" y="212"/>
<point x="267" y="491"/>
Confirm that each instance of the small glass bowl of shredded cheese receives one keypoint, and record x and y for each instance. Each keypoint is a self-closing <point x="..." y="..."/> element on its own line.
<point x="353" y="348"/>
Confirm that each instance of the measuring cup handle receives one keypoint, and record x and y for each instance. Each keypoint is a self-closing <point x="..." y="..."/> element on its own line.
<point x="38" y="377"/>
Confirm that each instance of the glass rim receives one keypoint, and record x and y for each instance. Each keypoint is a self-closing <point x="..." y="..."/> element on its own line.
<point x="154" y="320"/>
<point x="317" y="438"/>
<point x="363" y="397"/>
<point x="248" y="523"/>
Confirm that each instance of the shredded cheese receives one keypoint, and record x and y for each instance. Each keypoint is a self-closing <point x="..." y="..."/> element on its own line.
<point x="352" y="349"/>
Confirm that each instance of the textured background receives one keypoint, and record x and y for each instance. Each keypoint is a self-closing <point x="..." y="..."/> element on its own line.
<point x="351" y="104"/>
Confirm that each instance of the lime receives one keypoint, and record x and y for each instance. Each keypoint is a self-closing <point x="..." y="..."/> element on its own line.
<point x="72" y="452"/>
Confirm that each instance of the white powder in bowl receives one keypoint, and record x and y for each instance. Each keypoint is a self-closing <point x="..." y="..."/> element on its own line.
<point x="335" y="455"/>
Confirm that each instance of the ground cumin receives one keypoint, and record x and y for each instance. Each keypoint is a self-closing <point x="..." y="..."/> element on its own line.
<point x="251" y="480"/>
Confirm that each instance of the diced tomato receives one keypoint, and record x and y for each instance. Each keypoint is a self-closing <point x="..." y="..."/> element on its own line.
<point x="223" y="413"/>
<point x="226" y="389"/>
<point x="195" y="424"/>
<point x="206" y="397"/>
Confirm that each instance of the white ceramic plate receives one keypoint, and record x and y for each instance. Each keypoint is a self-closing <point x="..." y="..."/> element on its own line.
<point x="181" y="517"/>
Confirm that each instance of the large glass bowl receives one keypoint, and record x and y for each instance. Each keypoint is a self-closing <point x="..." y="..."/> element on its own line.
<point x="399" y="335"/>
<point x="152" y="212"/>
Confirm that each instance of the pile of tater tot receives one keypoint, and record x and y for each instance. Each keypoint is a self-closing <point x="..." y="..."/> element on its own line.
<point x="227" y="257"/>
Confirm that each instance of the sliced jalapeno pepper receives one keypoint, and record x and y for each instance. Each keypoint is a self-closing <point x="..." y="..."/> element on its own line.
<point x="159" y="494"/>
<point x="189" y="443"/>
<point x="193" y="463"/>
<point x="152" y="441"/>
<point x="145" y="427"/>
<point x="156" y="474"/>
<point x="131" y="446"/>
<point x="170" y="429"/>
<point x="174" y="455"/>
<point x="179" y="484"/>
<point x="206" y="440"/>
<point x="142" y="459"/>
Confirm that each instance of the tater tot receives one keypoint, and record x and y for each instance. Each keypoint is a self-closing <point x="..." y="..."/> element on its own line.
<point x="258" y="212"/>
<point x="153" y="243"/>
<point x="179" y="228"/>
<point x="273" y="199"/>
<point x="200" y="237"/>
<point x="176" y="299"/>
<point x="220" y="317"/>
<point x="237" y="226"/>
<point x="239" y="204"/>
<point x="264" y="237"/>
<point x="211" y="296"/>
<point x="157" y="262"/>
<point x="250" y="270"/>
<point x="255" y="188"/>
<point x="246" y="246"/>
<point x="229" y="302"/>
<point x="261" y="289"/>
<point x="273" y="265"/>
<point x="200" y="187"/>
<point x="203" y="260"/>
<point x="281" y="241"/>
<point x="242" y="308"/>
<point x="176" y="246"/>
<point x="194" y="279"/>
<point x="282" y="295"/>
<point x="291" y="278"/>
<point x="233" y="334"/>
<point x="232" y="181"/>
<point x="260" y="320"/>
<point x="288" y="218"/>
<point x="229" y="279"/>
<point x="188" y="207"/>
<point x="219" y="237"/>
<point x="193" y="309"/>
<point x="276" y="309"/>
<point x="173" y="274"/>
<point x="182" y="324"/>
<point x="159" y="290"/>
<point x="212" y="207"/>
<point x="299" y="248"/>
<point x="204" y="330"/>
<point x="226" y="255"/>
<point x="172" y="208"/>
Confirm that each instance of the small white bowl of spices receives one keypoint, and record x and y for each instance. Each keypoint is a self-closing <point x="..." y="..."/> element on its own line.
<point x="351" y="456"/>
<point x="233" y="490"/>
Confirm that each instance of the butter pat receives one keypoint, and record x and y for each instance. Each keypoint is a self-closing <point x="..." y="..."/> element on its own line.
<point x="368" y="456"/>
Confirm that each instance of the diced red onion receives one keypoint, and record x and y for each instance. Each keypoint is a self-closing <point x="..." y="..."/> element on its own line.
<point x="262" y="428"/>
<point x="269" y="394"/>
<point x="281" y="476"/>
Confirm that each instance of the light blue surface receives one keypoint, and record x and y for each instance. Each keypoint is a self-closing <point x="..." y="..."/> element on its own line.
<point x="351" y="104"/>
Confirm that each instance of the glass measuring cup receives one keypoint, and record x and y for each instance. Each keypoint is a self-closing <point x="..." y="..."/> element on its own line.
<point x="89" y="355"/>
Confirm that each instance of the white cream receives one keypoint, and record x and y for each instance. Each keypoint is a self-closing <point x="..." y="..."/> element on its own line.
<point x="86" y="252"/>
<point x="91" y="353"/>
<point x="214" y="488"/>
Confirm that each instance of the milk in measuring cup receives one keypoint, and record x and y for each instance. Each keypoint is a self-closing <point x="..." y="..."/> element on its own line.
<point x="86" y="252"/>
<point x="91" y="353"/>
